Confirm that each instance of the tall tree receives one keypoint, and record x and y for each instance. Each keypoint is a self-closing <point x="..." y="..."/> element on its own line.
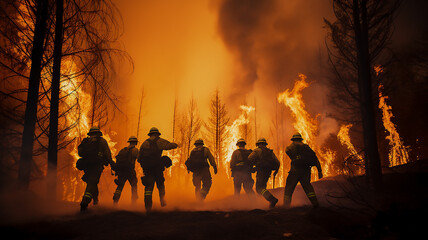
<point x="54" y="103"/>
<point x="216" y="127"/>
<point x="33" y="93"/>
<point x="357" y="39"/>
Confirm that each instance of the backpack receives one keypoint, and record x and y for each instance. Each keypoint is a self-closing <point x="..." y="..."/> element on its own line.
<point x="243" y="165"/>
<point x="124" y="159"/>
<point x="303" y="156"/>
<point x="196" y="160"/>
<point x="88" y="152"/>
<point x="267" y="162"/>
<point x="151" y="158"/>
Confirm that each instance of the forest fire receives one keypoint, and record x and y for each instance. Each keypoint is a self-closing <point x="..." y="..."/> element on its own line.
<point x="80" y="116"/>
<point x="304" y="123"/>
<point x="398" y="153"/>
<point x="345" y="139"/>
<point x="233" y="134"/>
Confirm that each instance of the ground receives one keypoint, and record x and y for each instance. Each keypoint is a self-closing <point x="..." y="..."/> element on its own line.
<point x="402" y="216"/>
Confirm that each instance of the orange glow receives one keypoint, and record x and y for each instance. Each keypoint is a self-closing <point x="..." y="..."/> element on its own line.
<point x="233" y="134"/>
<point x="398" y="153"/>
<point x="304" y="123"/>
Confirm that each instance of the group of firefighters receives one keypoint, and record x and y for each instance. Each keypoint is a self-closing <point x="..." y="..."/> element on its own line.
<point x="95" y="154"/>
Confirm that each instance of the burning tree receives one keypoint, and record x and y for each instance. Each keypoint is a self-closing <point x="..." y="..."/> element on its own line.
<point x="304" y="123"/>
<point x="357" y="39"/>
<point x="77" y="59"/>
<point x="216" y="128"/>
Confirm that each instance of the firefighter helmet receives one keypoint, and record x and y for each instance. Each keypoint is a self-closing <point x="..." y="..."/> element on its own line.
<point x="153" y="130"/>
<point x="261" y="141"/>
<point x="199" y="142"/>
<point x="297" y="137"/>
<point x="95" y="131"/>
<point x="132" y="139"/>
<point x="241" y="141"/>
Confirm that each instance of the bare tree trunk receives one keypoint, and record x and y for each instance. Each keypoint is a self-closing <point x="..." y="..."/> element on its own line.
<point x="55" y="88"/>
<point x="373" y="167"/>
<point x="139" y="112"/>
<point x="30" y="118"/>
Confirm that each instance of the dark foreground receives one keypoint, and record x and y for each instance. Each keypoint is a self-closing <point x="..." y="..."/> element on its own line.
<point x="403" y="216"/>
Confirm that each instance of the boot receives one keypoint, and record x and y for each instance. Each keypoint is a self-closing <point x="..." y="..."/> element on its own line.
<point x="287" y="201"/>
<point x="162" y="202"/>
<point x="273" y="201"/>
<point x="83" y="207"/>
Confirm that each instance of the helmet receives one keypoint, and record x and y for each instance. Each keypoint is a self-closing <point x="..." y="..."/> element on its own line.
<point x="132" y="139"/>
<point x="199" y="142"/>
<point x="242" y="141"/>
<point x="153" y="130"/>
<point x="167" y="162"/>
<point x="95" y="131"/>
<point x="261" y="141"/>
<point x="297" y="137"/>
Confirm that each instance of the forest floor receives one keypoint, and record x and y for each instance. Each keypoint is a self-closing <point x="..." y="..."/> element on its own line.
<point x="345" y="213"/>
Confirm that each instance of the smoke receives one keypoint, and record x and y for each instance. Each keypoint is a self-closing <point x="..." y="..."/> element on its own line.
<point x="272" y="42"/>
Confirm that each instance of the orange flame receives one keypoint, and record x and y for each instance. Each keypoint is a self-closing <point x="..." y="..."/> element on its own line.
<point x="398" y="154"/>
<point x="304" y="123"/>
<point x="233" y="134"/>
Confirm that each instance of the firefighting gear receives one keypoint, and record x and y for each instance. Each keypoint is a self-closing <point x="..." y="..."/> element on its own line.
<point x="301" y="155"/>
<point x="149" y="180"/>
<point x="132" y="139"/>
<point x="265" y="161"/>
<point x="91" y="177"/>
<point x="261" y="141"/>
<point x="125" y="171"/>
<point x="153" y="166"/>
<point x="95" y="131"/>
<point x="131" y="177"/>
<point x="94" y="152"/>
<point x="198" y="159"/>
<point x="241" y="171"/>
<point x="198" y="164"/>
<point x="153" y="130"/>
<point x="241" y="141"/>
<point x="199" y="142"/>
<point x="167" y="162"/>
<point x="297" y="137"/>
<point x="262" y="178"/>
<point x="302" y="159"/>
<point x="202" y="181"/>
<point x="304" y="177"/>
<point x="243" y="179"/>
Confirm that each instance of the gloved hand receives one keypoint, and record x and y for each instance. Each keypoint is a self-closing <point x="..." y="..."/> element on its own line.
<point x="215" y="170"/>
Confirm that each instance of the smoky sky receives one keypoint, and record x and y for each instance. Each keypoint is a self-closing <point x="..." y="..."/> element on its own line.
<point x="273" y="41"/>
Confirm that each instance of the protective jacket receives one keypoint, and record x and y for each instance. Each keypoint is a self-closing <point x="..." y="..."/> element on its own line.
<point x="150" y="158"/>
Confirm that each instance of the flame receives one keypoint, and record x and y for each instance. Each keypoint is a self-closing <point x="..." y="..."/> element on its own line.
<point x="398" y="153"/>
<point x="345" y="139"/>
<point x="233" y="134"/>
<point x="79" y="116"/>
<point x="304" y="123"/>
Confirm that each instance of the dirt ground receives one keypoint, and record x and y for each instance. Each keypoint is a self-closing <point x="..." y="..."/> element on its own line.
<point x="342" y="215"/>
